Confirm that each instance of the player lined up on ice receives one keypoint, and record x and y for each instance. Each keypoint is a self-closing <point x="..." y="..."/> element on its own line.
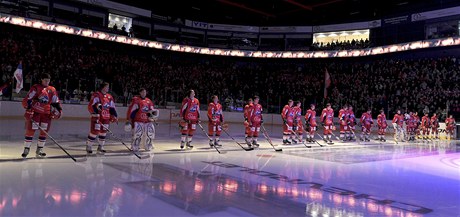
<point x="254" y="120"/>
<point x="190" y="117"/>
<point x="42" y="105"/>
<point x="215" y="121"/>
<point x="287" y="115"/>
<point x="140" y="118"/>
<point x="327" y="121"/>
<point x="102" y="110"/>
<point x="366" y="123"/>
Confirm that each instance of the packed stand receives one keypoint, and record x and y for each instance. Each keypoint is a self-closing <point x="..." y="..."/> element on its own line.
<point x="77" y="64"/>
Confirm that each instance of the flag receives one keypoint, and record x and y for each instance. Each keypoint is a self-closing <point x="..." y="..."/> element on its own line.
<point x="327" y="81"/>
<point x="18" y="76"/>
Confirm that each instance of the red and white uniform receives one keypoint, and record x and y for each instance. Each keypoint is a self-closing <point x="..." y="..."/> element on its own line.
<point x="343" y="120"/>
<point x="255" y="119"/>
<point x="327" y="118"/>
<point x="366" y="122"/>
<point x="138" y="114"/>
<point x="297" y="110"/>
<point x="411" y="124"/>
<point x="426" y="124"/>
<point x="288" y="119"/>
<point x="417" y="124"/>
<point x="434" y="125"/>
<point x="382" y="124"/>
<point x="215" y="117"/>
<point x="398" y="119"/>
<point x="190" y="112"/>
<point x="246" y="118"/>
<point x="310" y="118"/>
<point x="38" y="109"/>
<point x="139" y="110"/>
<point x="102" y="108"/>
<point x="351" y="119"/>
<point x="450" y="123"/>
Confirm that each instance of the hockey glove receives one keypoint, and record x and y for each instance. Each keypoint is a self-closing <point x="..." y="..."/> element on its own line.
<point x="29" y="115"/>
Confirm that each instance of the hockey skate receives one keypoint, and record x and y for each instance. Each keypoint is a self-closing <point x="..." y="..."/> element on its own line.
<point x="101" y="150"/>
<point x="255" y="144"/>
<point x="330" y="142"/>
<point x="89" y="150"/>
<point x="383" y="140"/>
<point x="286" y="142"/>
<point x="211" y="143"/>
<point x="217" y="144"/>
<point x="189" y="145"/>
<point x="248" y="142"/>
<point x="26" y="152"/>
<point x="182" y="144"/>
<point x="39" y="153"/>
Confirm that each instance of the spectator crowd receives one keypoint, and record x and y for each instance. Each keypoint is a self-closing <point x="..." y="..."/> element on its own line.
<point x="78" y="64"/>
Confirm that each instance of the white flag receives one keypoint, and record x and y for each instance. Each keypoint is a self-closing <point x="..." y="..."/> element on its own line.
<point x="18" y="76"/>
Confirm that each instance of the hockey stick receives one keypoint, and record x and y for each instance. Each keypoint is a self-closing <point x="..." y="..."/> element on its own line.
<point x="353" y="132"/>
<point x="298" y="137"/>
<point x="202" y="129"/>
<point x="246" y="149"/>
<point x="321" y="139"/>
<point x="44" y="131"/>
<point x="121" y="140"/>
<point x="313" y="138"/>
<point x="338" y="139"/>
<point x="268" y="138"/>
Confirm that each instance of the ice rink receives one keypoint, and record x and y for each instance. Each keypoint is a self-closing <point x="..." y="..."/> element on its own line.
<point x="344" y="179"/>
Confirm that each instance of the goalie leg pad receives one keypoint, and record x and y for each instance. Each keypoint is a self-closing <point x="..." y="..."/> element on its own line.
<point x="137" y="136"/>
<point x="150" y="131"/>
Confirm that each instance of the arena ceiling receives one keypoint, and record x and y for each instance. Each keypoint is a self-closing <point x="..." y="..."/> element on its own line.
<point x="287" y="12"/>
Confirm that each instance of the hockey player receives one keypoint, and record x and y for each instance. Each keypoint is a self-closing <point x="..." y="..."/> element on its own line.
<point x="327" y="120"/>
<point x="287" y="115"/>
<point x="351" y="123"/>
<point x="102" y="109"/>
<point x="141" y="116"/>
<point x="190" y="114"/>
<point x="255" y="119"/>
<point x="411" y="125"/>
<point x="247" y="129"/>
<point x="434" y="126"/>
<point x="417" y="125"/>
<point x="398" y="121"/>
<point x="343" y="121"/>
<point x="298" y="125"/>
<point x="366" y="123"/>
<point x="216" y="119"/>
<point x="42" y="105"/>
<point x="426" y="124"/>
<point x="310" y="123"/>
<point x="450" y="123"/>
<point x="382" y="125"/>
